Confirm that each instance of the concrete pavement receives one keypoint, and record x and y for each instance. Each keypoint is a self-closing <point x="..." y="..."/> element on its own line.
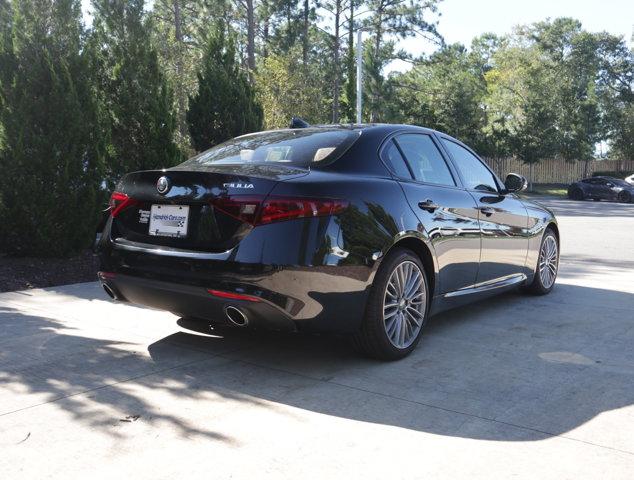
<point x="515" y="387"/>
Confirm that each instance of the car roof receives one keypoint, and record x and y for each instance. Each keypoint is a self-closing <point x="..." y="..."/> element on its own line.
<point x="385" y="128"/>
<point x="367" y="126"/>
<point x="377" y="126"/>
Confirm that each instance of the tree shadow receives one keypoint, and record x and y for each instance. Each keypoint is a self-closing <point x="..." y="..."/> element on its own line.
<point x="44" y="360"/>
<point x="513" y="368"/>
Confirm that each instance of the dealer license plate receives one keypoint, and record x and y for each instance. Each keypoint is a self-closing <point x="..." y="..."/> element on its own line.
<point x="169" y="220"/>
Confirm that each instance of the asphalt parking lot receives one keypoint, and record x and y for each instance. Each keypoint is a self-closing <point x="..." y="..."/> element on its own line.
<point x="515" y="387"/>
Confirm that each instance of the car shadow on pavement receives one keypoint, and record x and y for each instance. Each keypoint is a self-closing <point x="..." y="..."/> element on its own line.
<point x="514" y="368"/>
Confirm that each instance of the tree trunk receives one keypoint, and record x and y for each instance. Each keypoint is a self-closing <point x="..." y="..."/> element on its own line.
<point x="265" y="29"/>
<point x="337" y="76"/>
<point x="180" y="94"/>
<point x="305" y="33"/>
<point x="350" y="67"/>
<point x="378" y="36"/>
<point x="250" y="37"/>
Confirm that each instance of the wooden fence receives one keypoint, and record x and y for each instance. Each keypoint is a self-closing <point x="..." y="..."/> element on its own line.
<point x="557" y="171"/>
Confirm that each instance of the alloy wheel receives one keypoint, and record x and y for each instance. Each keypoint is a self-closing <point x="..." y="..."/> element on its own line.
<point x="548" y="261"/>
<point x="404" y="304"/>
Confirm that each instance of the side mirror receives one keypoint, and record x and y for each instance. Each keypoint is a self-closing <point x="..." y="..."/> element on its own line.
<point x="515" y="183"/>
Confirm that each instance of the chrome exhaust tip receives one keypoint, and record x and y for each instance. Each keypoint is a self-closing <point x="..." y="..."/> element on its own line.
<point x="109" y="291"/>
<point x="236" y="316"/>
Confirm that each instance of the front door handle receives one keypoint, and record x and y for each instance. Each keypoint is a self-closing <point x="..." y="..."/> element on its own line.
<point x="428" y="205"/>
<point x="487" y="211"/>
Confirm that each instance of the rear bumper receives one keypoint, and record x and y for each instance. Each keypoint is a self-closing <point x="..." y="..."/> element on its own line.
<point x="301" y="282"/>
<point x="192" y="301"/>
<point x="314" y="298"/>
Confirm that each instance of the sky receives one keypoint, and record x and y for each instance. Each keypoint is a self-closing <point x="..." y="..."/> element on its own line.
<point x="461" y="20"/>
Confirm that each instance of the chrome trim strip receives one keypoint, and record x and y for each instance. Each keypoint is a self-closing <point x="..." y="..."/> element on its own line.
<point x="122" y="244"/>
<point x="507" y="282"/>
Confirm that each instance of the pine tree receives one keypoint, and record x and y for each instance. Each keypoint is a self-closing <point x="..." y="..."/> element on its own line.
<point x="179" y="32"/>
<point x="51" y="153"/>
<point x="224" y="105"/>
<point x="132" y="88"/>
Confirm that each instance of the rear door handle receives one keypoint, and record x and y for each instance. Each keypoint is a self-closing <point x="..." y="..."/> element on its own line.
<point x="487" y="211"/>
<point x="428" y="205"/>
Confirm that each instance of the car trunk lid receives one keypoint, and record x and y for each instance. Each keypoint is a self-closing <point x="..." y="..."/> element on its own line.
<point x="179" y="208"/>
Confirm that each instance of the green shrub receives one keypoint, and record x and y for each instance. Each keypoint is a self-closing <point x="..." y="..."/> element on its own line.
<point x="51" y="160"/>
<point x="224" y="105"/>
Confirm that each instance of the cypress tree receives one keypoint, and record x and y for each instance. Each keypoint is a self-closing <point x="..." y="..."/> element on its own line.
<point x="224" y="105"/>
<point x="50" y="153"/>
<point x="133" y="90"/>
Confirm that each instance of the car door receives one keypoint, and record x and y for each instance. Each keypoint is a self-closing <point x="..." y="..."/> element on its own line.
<point x="503" y="217"/>
<point x="587" y="187"/>
<point x="446" y="211"/>
<point x="607" y="189"/>
<point x="598" y="188"/>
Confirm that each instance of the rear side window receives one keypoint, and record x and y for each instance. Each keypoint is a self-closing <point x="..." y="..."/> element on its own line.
<point x="394" y="160"/>
<point x="297" y="147"/>
<point x="475" y="174"/>
<point x="424" y="159"/>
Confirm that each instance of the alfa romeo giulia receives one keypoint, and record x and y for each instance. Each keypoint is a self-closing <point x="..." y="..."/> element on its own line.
<point x="365" y="230"/>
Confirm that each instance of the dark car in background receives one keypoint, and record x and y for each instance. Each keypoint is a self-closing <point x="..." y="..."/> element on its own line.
<point x="364" y="230"/>
<point x="601" y="188"/>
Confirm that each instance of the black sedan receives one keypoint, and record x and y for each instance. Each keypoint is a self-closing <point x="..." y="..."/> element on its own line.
<point x="602" y="188"/>
<point x="363" y="230"/>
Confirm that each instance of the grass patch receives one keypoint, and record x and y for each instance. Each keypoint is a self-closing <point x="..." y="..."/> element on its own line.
<point x="553" y="189"/>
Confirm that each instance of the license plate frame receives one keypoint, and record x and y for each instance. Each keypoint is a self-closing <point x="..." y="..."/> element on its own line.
<point x="169" y="221"/>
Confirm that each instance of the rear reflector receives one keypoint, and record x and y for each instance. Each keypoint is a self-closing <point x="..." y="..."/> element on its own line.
<point x="105" y="275"/>
<point x="118" y="202"/>
<point x="233" y="295"/>
<point x="260" y="210"/>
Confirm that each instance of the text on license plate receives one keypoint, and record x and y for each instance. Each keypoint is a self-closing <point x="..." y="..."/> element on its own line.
<point x="169" y="220"/>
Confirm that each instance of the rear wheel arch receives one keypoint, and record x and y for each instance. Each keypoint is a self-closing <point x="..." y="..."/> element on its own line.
<point x="422" y="251"/>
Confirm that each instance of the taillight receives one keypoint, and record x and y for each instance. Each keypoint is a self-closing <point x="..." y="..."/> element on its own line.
<point x="233" y="295"/>
<point x="260" y="210"/>
<point x="241" y="208"/>
<point x="278" y="209"/>
<point x="118" y="202"/>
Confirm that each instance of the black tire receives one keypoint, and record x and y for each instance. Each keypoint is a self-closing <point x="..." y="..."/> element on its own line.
<point x="576" y="193"/>
<point x="372" y="338"/>
<point x="537" y="286"/>
<point x="624" y="197"/>
<point x="596" y="199"/>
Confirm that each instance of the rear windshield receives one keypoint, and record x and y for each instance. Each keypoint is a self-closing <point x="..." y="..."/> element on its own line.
<point x="302" y="147"/>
